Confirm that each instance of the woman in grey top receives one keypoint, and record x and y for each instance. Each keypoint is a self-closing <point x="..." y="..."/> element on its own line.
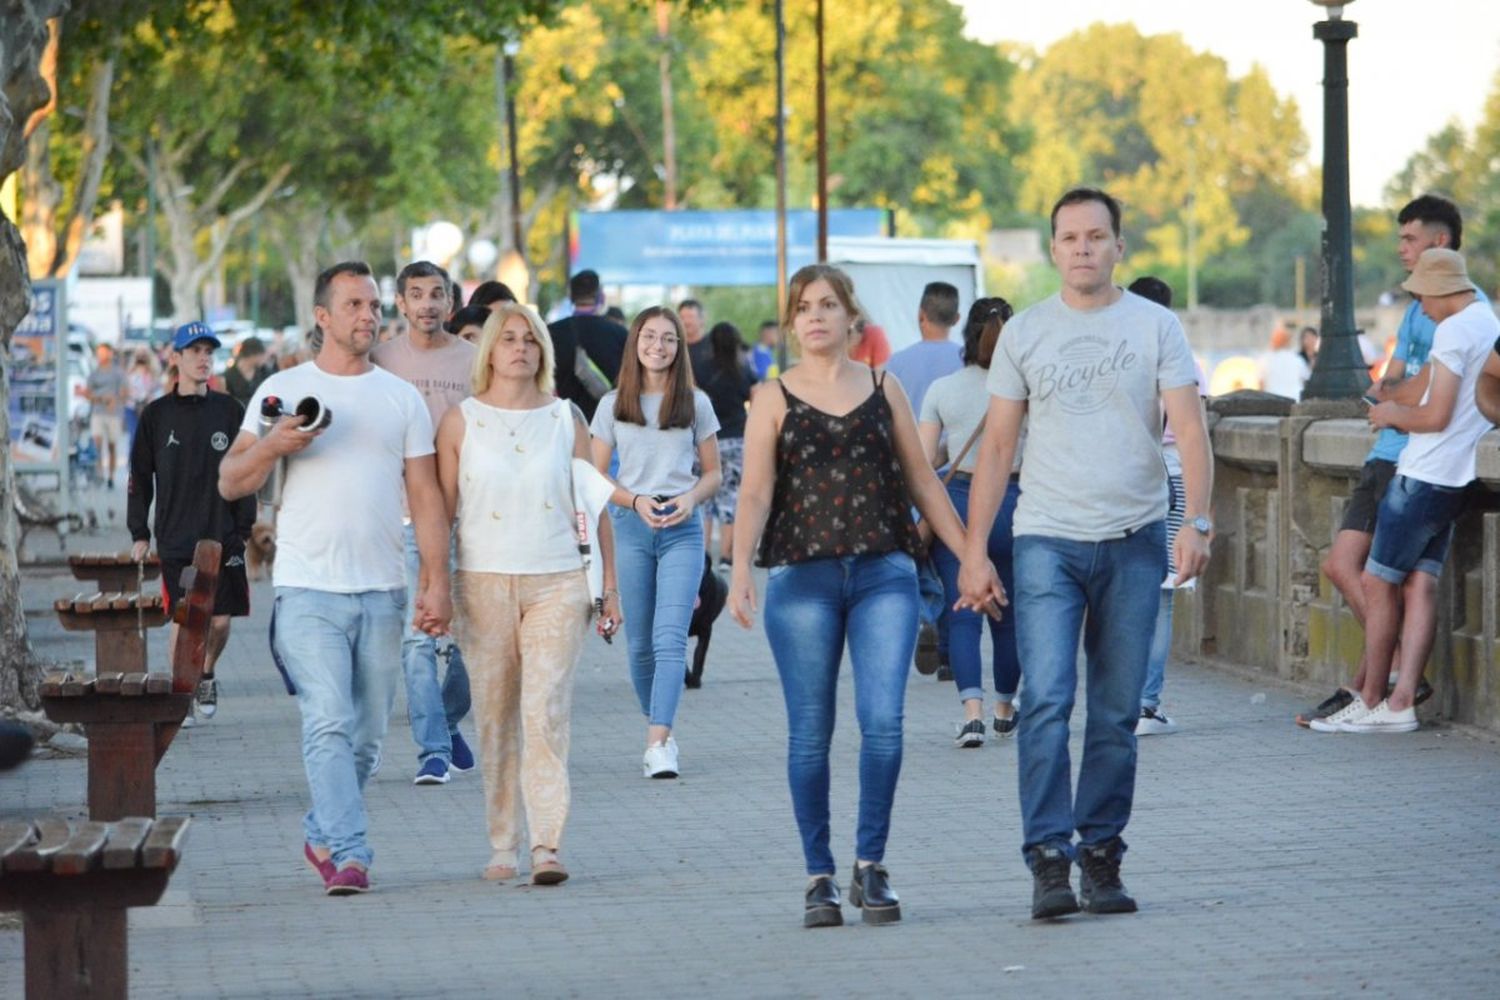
<point x="954" y="407"/>
<point x="661" y="426"/>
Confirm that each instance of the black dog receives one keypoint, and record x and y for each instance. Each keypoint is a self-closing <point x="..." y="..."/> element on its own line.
<point x="713" y="594"/>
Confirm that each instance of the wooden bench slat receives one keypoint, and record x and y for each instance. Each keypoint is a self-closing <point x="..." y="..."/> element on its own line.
<point x="52" y="834"/>
<point x="14" y="834"/>
<point x="73" y="686"/>
<point x="52" y="683"/>
<point x="158" y="683"/>
<point x="163" y="845"/>
<point x="132" y="684"/>
<point x="82" y="851"/>
<point x="108" y="682"/>
<point x="123" y="848"/>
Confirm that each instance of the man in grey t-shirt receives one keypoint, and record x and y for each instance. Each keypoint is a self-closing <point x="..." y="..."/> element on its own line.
<point x="1088" y="369"/>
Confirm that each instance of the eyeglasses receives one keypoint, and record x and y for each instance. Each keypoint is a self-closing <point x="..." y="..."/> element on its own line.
<point x="664" y="339"/>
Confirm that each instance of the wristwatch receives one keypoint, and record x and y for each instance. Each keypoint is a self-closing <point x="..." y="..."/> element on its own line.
<point x="1202" y="525"/>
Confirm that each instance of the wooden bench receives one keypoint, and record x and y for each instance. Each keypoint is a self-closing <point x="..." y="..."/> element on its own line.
<point x="132" y="717"/>
<point x="72" y="882"/>
<point x="114" y="571"/>
<point x="119" y="621"/>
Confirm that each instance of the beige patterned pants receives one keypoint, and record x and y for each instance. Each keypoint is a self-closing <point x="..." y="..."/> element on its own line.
<point x="521" y="635"/>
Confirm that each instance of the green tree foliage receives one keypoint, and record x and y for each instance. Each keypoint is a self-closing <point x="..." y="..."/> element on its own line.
<point x="1171" y="133"/>
<point x="1464" y="166"/>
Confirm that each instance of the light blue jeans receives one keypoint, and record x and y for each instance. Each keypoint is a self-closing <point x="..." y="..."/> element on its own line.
<point x="1161" y="638"/>
<point x="811" y="609"/>
<point x="1108" y="591"/>
<point x="340" y="652"/>
<point x="1161" y="650"/>
<point x="659" y="572"/>
<point x="434" y="710"/>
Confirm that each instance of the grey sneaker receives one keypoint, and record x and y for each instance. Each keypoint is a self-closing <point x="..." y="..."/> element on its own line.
<point x="208" y="697"/>
<point x="970" y="735"/>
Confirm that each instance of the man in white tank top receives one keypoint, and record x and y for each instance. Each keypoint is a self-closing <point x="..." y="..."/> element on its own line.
<point x="340" y="581"/>
<point x="440" y="366"/>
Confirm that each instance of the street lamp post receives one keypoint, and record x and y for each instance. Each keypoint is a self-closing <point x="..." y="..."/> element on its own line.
<point x="1340" y="371"/>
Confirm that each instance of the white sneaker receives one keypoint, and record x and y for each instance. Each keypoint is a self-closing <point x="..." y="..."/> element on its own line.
<point x="661" y="760"/>
<point x="1351" y="712"/>
<point x="188" y="722"/>
<point x="1154" y="722"/>
<point x="1383" y="719"/>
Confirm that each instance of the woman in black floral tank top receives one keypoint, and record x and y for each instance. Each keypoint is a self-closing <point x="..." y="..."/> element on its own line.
<point x="832" y="466"/>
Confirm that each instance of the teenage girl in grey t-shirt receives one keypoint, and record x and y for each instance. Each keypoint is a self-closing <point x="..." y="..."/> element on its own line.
<point x="660" y="425"/>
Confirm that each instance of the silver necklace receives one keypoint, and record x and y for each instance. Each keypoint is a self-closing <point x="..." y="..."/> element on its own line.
<point x="510" y="428"/>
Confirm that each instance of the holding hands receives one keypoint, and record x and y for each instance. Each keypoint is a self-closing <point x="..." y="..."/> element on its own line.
<point x="980" y="588"/>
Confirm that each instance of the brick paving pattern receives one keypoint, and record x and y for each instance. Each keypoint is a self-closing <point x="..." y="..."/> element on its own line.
<point x="1269" y="861"/>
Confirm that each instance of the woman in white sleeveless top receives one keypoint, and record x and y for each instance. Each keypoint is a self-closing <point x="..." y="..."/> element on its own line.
<point x="521" y="598"/>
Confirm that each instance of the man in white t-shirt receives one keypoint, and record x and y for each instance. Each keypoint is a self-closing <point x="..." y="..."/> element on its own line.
<point x="1089" y="369"/>
<point x="440" y="365"/>
<point x="1414" y="524"/>
<point x="340" y="577"/>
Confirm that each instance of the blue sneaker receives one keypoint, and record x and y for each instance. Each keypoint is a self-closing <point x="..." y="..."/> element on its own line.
<point x="463" y="757"/>
<point x="434" y="771"/>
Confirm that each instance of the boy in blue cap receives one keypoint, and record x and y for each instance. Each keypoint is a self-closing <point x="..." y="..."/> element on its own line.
<point x="174" y="461"/>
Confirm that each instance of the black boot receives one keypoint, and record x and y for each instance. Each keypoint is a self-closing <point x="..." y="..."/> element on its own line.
<point x="870" y="890"/>
<point x="1051" y="890"/>
<point x="1099" y="887"/>
<point x="822" y="906"/>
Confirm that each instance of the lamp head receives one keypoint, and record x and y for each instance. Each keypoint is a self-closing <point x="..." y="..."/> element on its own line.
<point x="1335" y="7"/>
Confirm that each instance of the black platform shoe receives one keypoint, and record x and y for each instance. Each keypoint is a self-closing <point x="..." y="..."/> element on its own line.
<point x="870" y="890"/>
<point x="823" y="906"/>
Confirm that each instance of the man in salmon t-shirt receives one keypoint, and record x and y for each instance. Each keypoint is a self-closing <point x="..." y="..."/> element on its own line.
<point x="440" y="366"/>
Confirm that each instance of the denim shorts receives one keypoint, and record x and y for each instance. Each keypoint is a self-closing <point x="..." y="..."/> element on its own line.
<point x="1413" y="529"/>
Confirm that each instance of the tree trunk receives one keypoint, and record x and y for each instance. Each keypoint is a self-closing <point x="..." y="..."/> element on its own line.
<point x="53" y="241"/>
<point x="23" y="36"/>
<point x="41" y="195"/>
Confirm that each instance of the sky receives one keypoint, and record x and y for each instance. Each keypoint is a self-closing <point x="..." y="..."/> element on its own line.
<point x="1414" y="66"/>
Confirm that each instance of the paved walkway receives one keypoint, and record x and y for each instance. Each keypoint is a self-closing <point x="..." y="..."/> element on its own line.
<point x="1269" y="861"/>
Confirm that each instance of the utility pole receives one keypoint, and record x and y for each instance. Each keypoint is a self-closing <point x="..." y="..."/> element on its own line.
<point x="822" y="147"/>
<point x="781" y="264"/>
<point x="668" y="125"/>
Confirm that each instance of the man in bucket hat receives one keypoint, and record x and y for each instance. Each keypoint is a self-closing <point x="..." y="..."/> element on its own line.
<point x="174" y="463"/>
<point x="1414" y="525"/>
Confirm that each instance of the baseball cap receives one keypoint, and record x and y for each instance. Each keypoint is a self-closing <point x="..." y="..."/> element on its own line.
<point x="1439" y="272"/>
<point x="190" y="333"/>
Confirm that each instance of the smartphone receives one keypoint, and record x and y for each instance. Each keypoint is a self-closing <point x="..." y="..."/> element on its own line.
<point x="662" y="505"/>
<point x="1369" y="400"/>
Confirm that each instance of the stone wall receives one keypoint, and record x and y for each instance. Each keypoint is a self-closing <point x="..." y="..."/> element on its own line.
<point x="1280" y="485"/>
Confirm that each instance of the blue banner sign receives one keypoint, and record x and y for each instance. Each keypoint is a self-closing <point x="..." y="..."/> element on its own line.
<point x="705" y="248"/>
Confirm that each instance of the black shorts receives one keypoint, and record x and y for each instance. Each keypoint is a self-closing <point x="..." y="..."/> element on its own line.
<point x="233" y="597"/>
<point x="1364" y="501"/>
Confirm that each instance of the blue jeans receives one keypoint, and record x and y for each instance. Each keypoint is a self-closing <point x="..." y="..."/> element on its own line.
<point x="1161" y="638"/>
<point x="810" y="608"/>
<point x="340" y="652"/>
<point x="1109" y="591"/>
<point x="434" y="710"/>
<point x="965" y="628"/>
<point x="659" y="572"/>
<point x="1161" y="650"/>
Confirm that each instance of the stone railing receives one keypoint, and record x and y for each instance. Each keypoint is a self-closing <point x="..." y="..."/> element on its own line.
<point x="1280" y="486"/>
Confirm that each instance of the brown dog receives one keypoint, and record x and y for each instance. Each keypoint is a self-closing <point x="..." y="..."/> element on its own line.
<point x="260" y="552"/>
